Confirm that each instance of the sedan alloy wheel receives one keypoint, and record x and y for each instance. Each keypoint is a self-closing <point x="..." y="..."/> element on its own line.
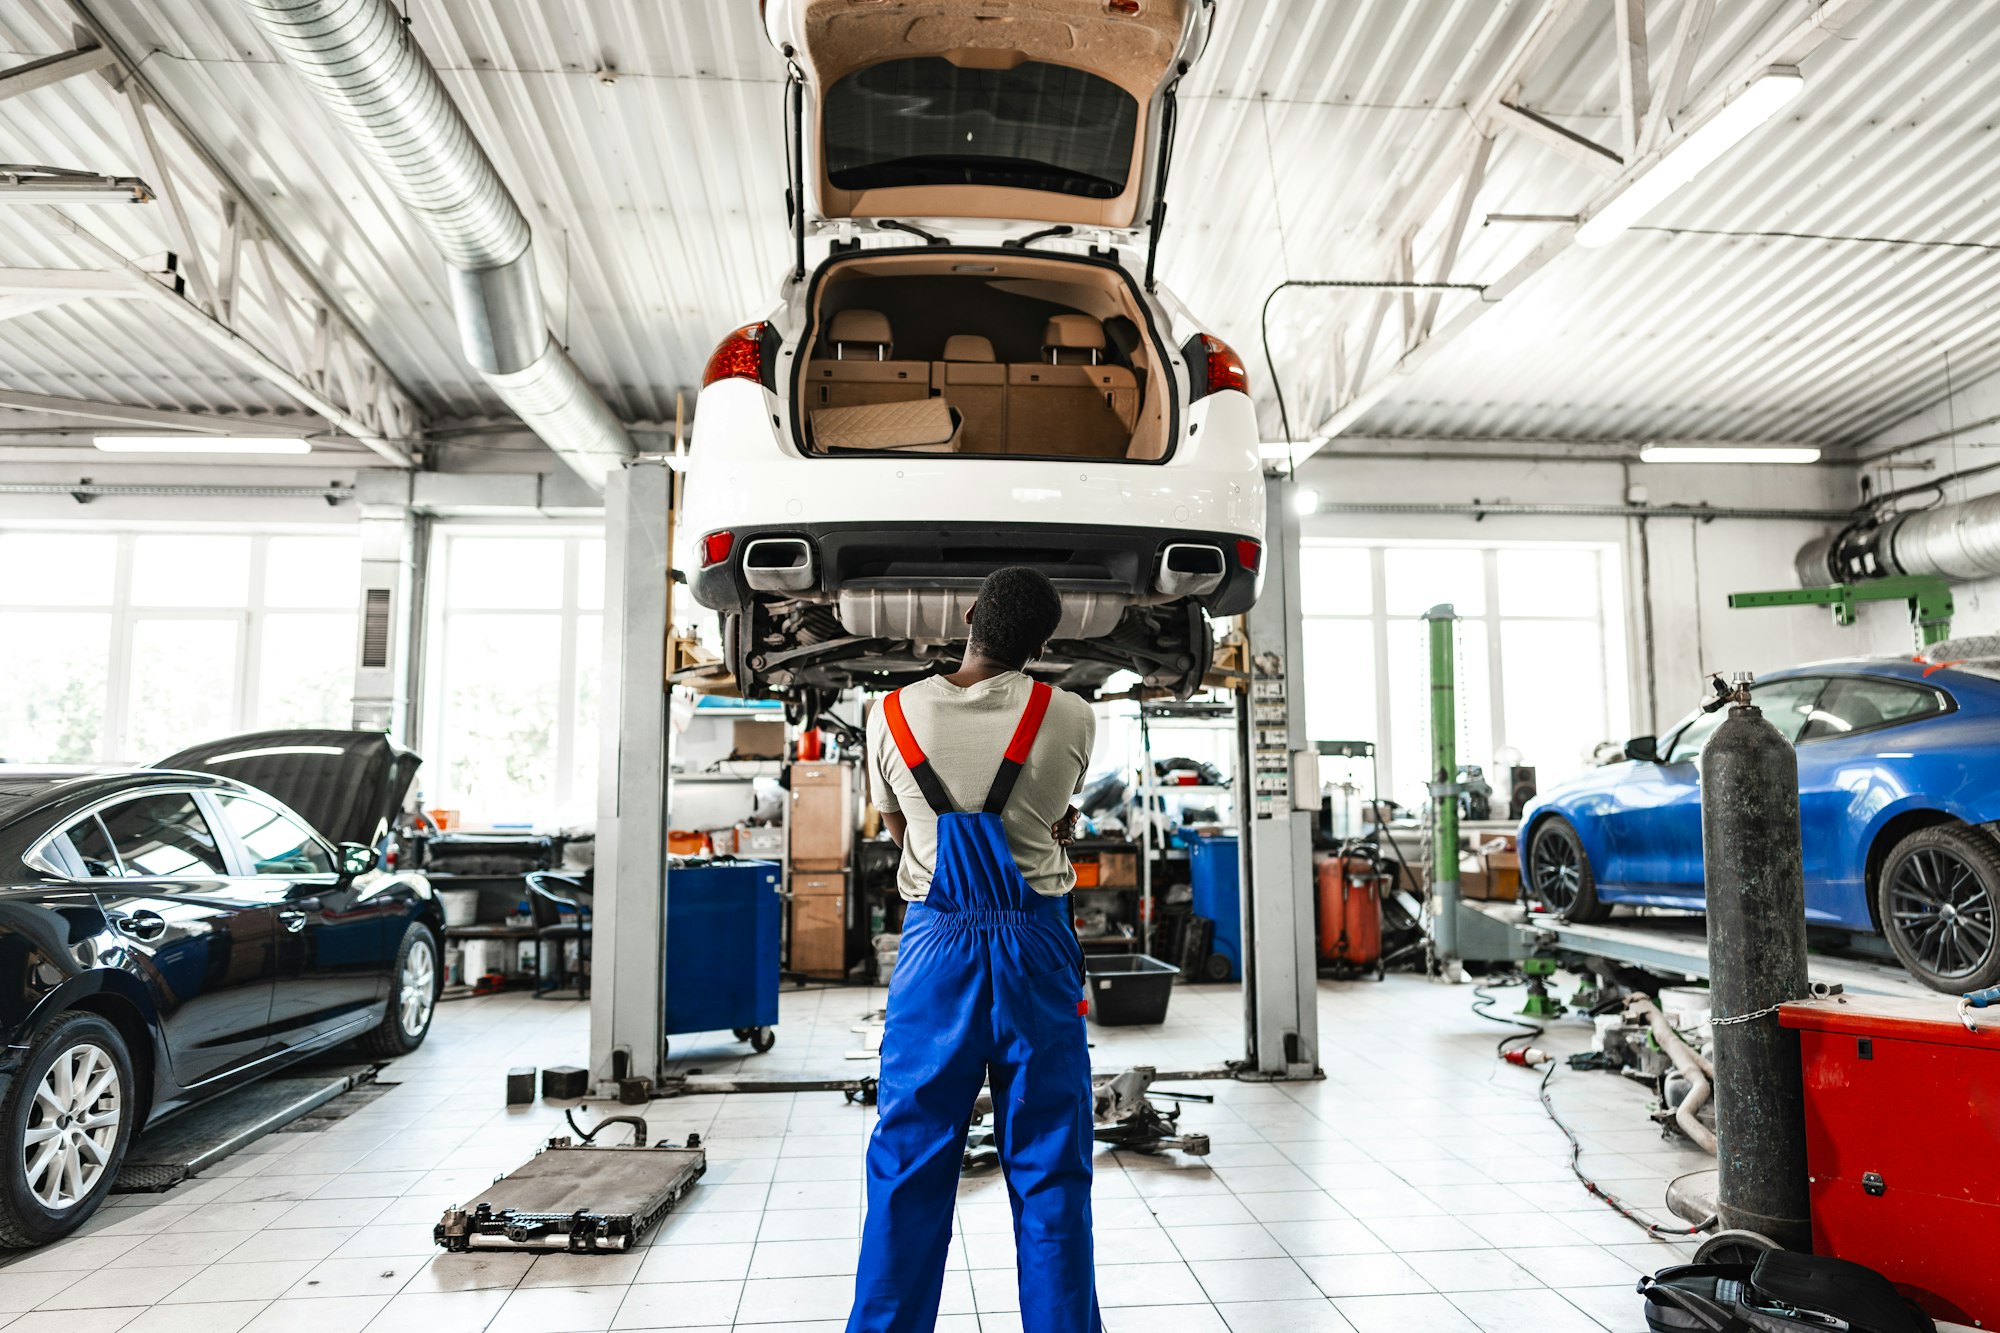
<point x="73" y="1127"/>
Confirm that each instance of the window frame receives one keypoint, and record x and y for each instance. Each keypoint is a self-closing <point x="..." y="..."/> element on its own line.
<point x="96" y="809"/>
<point x="238" y="852"/>
<point x="1950" y="706"/>
<point x="251" y="619"/>
<point x="566" y="616"/>
<point x="1607" y="616"/>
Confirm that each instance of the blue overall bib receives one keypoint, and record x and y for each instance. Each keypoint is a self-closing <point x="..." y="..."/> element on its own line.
<point x="988" y="990"/>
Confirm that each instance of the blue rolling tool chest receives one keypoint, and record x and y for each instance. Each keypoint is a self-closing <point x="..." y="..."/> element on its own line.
<point x="722" y="949"/>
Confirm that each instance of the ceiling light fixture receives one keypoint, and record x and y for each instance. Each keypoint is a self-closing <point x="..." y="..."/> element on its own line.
<point x="1721" y="453"/>
<point x="203" y="444"/>
<point x="1760" y="100"/>
<point x="1305" y="500"/>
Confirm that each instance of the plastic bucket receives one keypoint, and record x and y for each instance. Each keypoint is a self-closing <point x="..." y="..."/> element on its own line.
<point x="461" y="906"/>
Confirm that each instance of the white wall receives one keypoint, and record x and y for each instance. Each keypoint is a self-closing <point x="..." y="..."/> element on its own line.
<point x="1969" y="422"/>
<point x="1694" y="564"/>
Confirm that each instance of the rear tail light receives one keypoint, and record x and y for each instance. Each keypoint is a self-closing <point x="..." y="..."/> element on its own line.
<point x="741" y="356"/>
<point x="1214" y="366"/>
<point x="1249" y="554"/>
<point x="715" y="548"/>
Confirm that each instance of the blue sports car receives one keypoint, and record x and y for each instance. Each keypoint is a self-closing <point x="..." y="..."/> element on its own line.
<point x="1899" y="791"/>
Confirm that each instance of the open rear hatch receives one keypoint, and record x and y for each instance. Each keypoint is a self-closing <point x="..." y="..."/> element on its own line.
<point x="1045" y="112"/>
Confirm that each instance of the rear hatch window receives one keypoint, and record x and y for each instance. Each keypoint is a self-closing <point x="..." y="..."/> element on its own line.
<point x="928" y="122"/>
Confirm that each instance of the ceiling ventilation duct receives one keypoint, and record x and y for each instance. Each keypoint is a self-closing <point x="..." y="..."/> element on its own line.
<point x="360" y="58"/>
<point x="1953" y="541"/>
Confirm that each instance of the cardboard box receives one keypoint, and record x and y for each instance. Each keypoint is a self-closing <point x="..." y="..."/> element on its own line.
<point x="1472" y="882"/>
<point x="757" y="738"/>
<point x="1501" y="861"/>
<point x="760" y="841"/>
<point x="1118" y="870"/>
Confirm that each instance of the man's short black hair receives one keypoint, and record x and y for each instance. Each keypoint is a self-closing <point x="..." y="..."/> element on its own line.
<point x="1016" y="612"/>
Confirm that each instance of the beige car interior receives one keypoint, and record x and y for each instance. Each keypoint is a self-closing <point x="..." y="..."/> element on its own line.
<point x="1135" y="51"/>
<point x="1008" y="366"/>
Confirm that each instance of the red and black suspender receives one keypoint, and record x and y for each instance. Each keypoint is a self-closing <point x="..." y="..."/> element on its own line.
<point x="928" y="782"/>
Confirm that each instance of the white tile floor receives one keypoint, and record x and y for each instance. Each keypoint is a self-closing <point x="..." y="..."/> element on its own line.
<point x="1418" y="1189"/>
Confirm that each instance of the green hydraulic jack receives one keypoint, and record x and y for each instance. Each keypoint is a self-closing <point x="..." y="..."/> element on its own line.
<point x="1540" y="1004"/>
<point x="1929" y="598"/>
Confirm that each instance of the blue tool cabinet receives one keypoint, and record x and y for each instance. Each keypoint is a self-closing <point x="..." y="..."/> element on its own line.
<point x="722" y="949"/>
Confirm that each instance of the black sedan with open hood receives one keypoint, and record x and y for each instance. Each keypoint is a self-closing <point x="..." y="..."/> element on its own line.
<point x="169" y="933"/>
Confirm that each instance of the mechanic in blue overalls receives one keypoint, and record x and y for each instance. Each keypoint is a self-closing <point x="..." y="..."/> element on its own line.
<point x="973" y="773"/>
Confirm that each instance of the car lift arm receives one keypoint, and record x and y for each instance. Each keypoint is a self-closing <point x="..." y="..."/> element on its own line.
<point x="1929" y="599"/>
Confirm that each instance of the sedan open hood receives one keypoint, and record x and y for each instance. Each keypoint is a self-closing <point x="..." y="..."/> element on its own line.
<point x="1052" y="112"/>
<point x="349" y="785"/>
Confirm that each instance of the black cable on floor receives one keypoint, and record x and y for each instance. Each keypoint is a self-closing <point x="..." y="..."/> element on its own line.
<point x="1527" y="1032"/>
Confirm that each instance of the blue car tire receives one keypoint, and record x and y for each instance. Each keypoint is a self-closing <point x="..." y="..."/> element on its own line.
<point x="1559" y="875"/>
<point x="1937" y="895"/>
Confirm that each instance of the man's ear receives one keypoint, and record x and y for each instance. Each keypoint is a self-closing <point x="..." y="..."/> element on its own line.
<point x="969" y="610"/>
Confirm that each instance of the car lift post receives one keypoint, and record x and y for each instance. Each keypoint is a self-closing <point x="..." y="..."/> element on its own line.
<point x="1443" y="621"/>
<point x="1929" y="598"/>
<point x="627" y="995"/>
<point x="1277" y="799"/>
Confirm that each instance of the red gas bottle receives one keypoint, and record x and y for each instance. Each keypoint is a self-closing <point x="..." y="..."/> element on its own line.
<point x="1350" y="911"/>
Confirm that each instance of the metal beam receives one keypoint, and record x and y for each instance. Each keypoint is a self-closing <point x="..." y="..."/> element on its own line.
<point x="1798" y="41"/>
<point x="132" y="106"/>
<point x="1689" y="34"/>
<point x="1576" y="147"/>
<point x="52" y="69"/>
<point x="277" y="259"/>
<point x="1634" y="90"/>
<point x="63" y="283"/>
<point x="192" y="423"/>
<point x="226" y="340"/>
<point x="1454" y="234"/>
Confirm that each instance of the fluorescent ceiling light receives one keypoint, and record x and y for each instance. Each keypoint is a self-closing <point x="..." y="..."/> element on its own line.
<point x="1720" y="453"/>
<point x="204" y="444"/>
<point x="1756" y="104"/>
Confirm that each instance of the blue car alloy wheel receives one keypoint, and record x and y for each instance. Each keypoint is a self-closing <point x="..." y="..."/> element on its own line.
<point x="1559" y="875"/>
<point x="1937" y="898"/>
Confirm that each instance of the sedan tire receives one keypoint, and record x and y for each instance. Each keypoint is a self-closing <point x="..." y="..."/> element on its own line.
<point x="1559" y="875"/>
<point x="1937" y="898"/>
<point x="67" y="1121"/>
<point x="413" y="992"/>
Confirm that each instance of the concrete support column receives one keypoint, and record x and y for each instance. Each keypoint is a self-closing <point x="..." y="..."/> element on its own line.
<point x="629" y="914"/>
<point x="1277" y="787"/>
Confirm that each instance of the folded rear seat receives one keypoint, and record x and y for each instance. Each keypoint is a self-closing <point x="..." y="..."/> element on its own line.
<point x="973" y="382"/>
<point x="858" y="369"/>
<point x="926" y="426"/>
<point x="1070" y="403"/>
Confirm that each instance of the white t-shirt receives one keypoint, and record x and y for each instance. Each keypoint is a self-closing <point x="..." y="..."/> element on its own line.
<point x="964" y="733"/>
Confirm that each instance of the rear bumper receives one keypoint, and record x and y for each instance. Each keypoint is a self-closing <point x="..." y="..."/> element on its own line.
<point x="1104" y="559"/>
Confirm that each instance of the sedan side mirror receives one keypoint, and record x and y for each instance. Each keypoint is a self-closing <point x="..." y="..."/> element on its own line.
<point x="1643" y="747"/>
<point x="356" y="859"/>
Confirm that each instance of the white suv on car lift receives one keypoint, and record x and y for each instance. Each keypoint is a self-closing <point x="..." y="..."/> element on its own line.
<point x="970" y="365"/>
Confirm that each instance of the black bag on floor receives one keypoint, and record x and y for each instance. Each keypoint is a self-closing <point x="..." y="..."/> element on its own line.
<point x="1782" y="1293"/>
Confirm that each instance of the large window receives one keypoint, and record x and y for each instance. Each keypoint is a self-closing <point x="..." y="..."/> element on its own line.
<point x="511" y="699"/>
<point x="122" y="647"/>
<point x="1540" y="652"/>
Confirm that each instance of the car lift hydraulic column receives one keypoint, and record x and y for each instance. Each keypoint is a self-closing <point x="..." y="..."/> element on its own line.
<point x="628" y="926"/>
<point x="1277" y="798"/>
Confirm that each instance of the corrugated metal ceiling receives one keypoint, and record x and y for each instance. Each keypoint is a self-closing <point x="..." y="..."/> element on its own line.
<point x="644" y="142"/>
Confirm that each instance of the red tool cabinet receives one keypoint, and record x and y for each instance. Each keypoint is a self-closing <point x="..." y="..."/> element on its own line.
<point x="1903" y="1145"/>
